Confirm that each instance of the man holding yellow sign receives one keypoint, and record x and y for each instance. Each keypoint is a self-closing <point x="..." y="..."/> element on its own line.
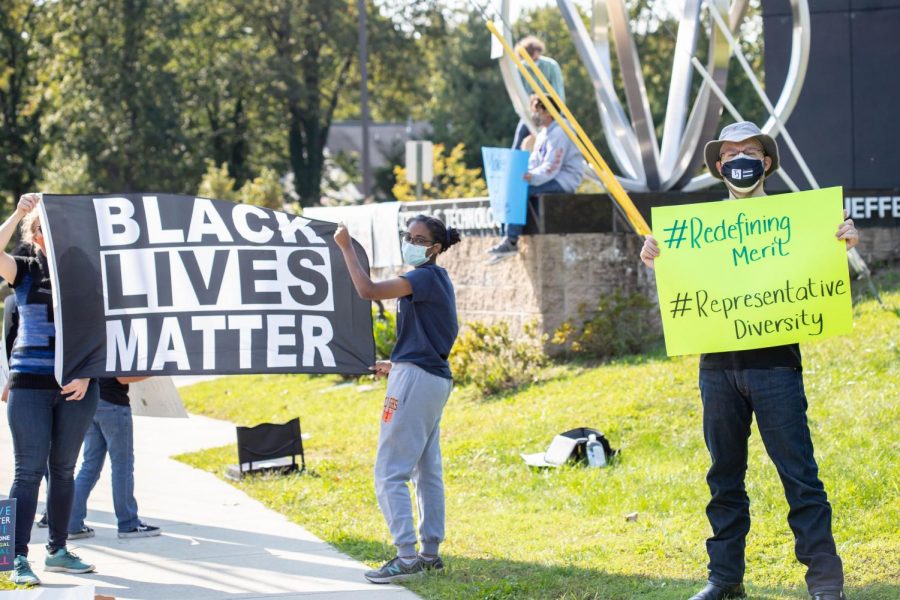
<point x="742" y="282"/>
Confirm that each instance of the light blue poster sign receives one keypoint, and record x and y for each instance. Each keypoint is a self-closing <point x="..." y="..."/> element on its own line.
<point x="504" y="170"/>
<point x="7" y="533"/>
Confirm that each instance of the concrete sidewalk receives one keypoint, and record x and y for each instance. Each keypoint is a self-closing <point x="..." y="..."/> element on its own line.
<point x="216" y="541"/>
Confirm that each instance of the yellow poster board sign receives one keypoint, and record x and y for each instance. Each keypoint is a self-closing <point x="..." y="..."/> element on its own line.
<point x="752" y="273"/>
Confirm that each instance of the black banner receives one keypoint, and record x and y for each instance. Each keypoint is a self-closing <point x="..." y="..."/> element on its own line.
<point x="175" y="285"/>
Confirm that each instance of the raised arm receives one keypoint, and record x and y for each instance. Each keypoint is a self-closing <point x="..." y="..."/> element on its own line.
<point x="27" y="203"/>
<point x="365" y="287"/>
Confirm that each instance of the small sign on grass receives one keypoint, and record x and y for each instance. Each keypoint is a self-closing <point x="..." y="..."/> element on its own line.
<point x="7" y="534"/>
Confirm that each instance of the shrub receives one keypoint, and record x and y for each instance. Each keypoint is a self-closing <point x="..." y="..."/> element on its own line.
<point x="491" y="359"/>
<point x="452" y="178"/>
<point x="618" y="326"/>
<point x="384" y="328"/>
<point x="265" y="190"/>
<point x="217" y="183"/>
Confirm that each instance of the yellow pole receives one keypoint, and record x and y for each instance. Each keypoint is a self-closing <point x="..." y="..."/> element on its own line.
<point x="581" y="140"/>
<point x="604" y="172"/>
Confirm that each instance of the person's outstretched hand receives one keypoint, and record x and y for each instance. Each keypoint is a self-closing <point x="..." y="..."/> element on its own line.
<point x="650" y="251"/>
<point x="342" y="237"/>
<point x="847" y="231"/>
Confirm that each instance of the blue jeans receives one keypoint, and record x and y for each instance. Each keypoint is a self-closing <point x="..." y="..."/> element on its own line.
<point x="551" y="187"/>
<point x="776" y="396"/>
<point x="111" y="431"/>
<point x="46" y="429"/>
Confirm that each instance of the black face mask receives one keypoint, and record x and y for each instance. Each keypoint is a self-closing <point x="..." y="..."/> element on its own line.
<point x="743" y="172"/>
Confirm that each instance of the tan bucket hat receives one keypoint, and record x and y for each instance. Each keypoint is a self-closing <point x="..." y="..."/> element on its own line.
<point x="738" y="132"/>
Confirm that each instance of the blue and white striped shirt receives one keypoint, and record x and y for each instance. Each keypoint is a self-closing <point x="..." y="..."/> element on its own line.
<point x="35" y="346"/>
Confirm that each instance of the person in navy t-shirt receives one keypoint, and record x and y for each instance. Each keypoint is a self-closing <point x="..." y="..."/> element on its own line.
<point x="419" y="384"/>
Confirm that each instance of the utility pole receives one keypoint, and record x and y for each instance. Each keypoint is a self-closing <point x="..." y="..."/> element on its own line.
<point x="364" y="99"/>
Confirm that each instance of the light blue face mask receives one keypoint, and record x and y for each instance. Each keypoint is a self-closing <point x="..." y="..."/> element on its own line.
<point x="414" y="255"/>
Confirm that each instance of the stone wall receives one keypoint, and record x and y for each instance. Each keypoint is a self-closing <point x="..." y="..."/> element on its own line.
<point x="550" y="279"/>
<point x="879" y="245"/>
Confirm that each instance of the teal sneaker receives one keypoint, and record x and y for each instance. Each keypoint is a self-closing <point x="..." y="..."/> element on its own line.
<point x="395" y="570"/>
<point x="22" y="573"/>
<point x="63" y="561"/>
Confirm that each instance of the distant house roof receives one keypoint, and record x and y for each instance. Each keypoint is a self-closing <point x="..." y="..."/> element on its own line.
<point x="385" y="139"/>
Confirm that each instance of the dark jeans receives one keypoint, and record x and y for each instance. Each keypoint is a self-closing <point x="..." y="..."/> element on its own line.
<point x="776" y="396"/>
<point x="522" y="132"/>
<point x="112" y="431"/>
<point x="551" y="187"/>
<point x="46" y="429"/>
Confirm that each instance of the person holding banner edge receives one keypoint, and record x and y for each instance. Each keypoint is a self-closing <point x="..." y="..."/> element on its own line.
<point x="419" y="384"/>
<point x="48" y="422"/>
<point x="767" y="382"/>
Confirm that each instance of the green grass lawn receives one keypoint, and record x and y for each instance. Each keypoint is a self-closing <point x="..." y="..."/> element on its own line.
<point x="515" y="533"/>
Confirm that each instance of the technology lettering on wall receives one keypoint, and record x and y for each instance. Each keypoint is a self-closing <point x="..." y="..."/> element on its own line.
<point x="472" y="216"/>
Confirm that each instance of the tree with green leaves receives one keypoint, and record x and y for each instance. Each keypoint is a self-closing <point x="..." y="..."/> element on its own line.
<point x="470" y="105"/>
<point x="125" y="95"/>
<point x="309" y="50"/>
<point x="22" y="99"/>
<point x="228" y="114"/>
<point x="116" y="96"/>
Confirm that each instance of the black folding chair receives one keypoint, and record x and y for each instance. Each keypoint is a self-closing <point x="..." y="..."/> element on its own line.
<point x="269" y="447"/>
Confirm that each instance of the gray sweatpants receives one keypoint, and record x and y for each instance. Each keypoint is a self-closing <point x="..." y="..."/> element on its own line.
<point x="409" y="450"/>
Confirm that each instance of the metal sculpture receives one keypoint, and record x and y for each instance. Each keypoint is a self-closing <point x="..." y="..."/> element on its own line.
<point x="645" y="163"/>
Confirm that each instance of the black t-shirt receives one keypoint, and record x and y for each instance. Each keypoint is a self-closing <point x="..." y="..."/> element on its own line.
<point x="760" y="358"/>
<point x="114" y="392"/>
<point x="11" y="306"/>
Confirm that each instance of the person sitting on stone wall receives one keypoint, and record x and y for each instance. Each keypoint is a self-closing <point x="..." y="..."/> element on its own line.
<point x="555" y="167"/>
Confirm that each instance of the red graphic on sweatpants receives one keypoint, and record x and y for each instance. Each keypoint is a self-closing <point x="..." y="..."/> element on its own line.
<point x="390" y="407"/>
